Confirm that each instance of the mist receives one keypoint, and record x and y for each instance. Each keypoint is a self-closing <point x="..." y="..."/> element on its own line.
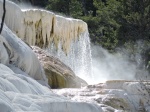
<point x="116" y="66"/>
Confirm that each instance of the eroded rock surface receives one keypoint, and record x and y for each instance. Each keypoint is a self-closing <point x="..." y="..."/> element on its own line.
<point x="59" y="75"/>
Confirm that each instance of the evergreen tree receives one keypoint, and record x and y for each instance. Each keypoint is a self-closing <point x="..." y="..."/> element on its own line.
<point x="135" y="22"/>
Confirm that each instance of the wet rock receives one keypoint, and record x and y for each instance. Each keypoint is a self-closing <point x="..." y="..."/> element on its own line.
<point x="59" y="75"/>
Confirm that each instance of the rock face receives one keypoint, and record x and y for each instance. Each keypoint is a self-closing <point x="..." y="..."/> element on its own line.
<point x="59" y="75"/>
<point x="18" y="56"/>
<point x="113" y="96"/>
<point x="20" y="93"/>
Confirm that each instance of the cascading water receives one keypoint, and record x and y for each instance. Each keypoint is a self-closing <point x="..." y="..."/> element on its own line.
<point x="66" y="38"/>
<point x="79" y="56"/>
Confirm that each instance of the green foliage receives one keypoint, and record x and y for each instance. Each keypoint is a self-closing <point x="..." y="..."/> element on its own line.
<point x="67" y="7"/>
<point x="61" y="6"/>
<point x="135" y="22"/>
<point x="75" y="9"/>
<point x="108" y="26"/>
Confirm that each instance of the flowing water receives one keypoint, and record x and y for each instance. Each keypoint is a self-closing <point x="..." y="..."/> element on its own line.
<point x="79" y="57"/>
<point x="40" y="27"/>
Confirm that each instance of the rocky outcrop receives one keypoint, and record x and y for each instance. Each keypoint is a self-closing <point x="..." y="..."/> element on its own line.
<point x="59" y="75"/>
<point x="113" y="96"/>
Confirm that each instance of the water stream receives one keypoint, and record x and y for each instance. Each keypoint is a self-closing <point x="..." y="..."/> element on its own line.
<point x="78" y="58"/>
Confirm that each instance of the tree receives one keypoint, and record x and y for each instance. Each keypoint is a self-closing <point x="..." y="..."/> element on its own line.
<point x="61" y="6"/>
<point x="107" y="27"/>
<point x="71" y="8"/>
<point x="135" y="20"/>
<point x="41" y="3"/>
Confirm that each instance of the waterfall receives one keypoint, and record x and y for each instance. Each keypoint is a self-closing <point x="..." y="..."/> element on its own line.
<point x="65" y="38"/>
<point x="79" y="56"/>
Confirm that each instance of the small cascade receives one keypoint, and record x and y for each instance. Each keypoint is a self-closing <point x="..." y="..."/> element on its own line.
<point x="79" y="56"/>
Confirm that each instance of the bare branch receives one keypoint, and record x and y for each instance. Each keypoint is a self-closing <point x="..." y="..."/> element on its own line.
<point x="4" y="12"/>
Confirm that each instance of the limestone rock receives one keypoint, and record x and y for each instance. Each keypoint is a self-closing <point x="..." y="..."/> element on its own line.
<point x="20" y="93"/>
<point x="59" y="75"/>
<point x="14" y="52"/>
<point x="41" y="28"/>
<point x="127" y="96"/>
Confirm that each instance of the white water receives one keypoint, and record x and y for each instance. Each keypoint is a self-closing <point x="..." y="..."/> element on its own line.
<point x="79" y="56"/>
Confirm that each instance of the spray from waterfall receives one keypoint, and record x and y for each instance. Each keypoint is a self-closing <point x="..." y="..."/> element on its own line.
<point x="121" y="65"/>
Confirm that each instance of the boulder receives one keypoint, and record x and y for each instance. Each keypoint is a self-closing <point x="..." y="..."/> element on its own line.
<point x="59" y="75"/>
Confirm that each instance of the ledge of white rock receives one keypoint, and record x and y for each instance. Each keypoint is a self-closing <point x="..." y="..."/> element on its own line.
<point x="41" y="27"/>
<point x="19" y="93"/>
<point x="113" y="96"/>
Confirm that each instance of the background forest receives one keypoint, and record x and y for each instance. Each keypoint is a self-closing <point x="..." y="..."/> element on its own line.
<point x="112" y="23"/>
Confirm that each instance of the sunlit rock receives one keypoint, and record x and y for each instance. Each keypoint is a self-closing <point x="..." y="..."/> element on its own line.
<point x="15" y="52"/>
<point x="41" y="27"/>
<point x="19" y="93"/>
<point x="128" y="96"/>
<point x="69" y="37"/>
